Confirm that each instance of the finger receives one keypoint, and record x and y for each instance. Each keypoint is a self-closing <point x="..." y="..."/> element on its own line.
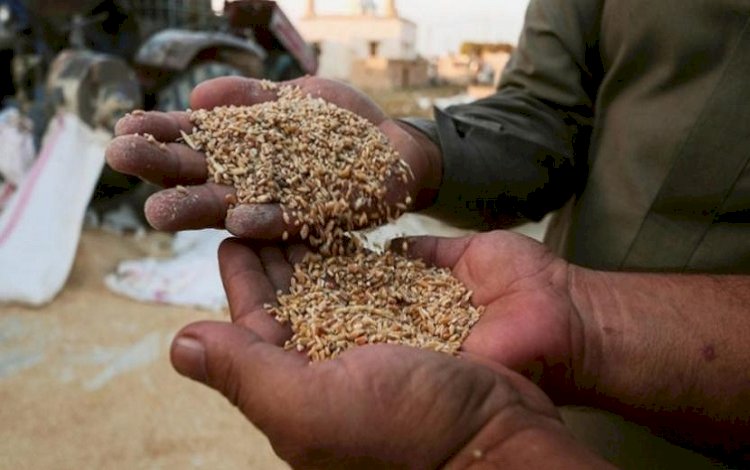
<point x="435" y="251"/>
<point x="164" y="165"/>
<point x="192" y="208"/>
<point x="277" y="267"/>
<point x="342" y="95"/>
<point x="165" y="127"/>
<point x="259" y="222"/>
<point x="252" y="374"/>
<point x="230" y="91"/>
<point x="249" y="289"/>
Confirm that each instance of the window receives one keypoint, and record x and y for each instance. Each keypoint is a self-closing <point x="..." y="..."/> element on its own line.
<point x="374" y="47"/>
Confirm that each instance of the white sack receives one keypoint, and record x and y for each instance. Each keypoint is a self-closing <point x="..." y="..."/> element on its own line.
<point x="191" y="278"/>
<point x="18" y="146"/>
<point x="41" y="226"/>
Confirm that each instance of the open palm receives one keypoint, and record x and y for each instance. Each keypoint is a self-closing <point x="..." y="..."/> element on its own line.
<point x="530" y="324"/>
<point x="379" y="405"/>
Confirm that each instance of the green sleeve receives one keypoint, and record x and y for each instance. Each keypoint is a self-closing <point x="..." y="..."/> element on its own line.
<point x="522" y="152"/>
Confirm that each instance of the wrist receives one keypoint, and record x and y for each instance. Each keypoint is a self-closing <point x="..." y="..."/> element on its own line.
<point x="618" y="365"/>
<point x="522" y="439"/>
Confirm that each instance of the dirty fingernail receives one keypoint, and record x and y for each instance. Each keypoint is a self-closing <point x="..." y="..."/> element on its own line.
<point x="189" y="358"/>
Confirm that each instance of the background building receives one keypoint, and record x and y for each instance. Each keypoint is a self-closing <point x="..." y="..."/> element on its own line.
<point x="365" y="39"/>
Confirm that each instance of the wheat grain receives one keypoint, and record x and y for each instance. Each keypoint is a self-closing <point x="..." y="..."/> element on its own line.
<point x="329" y="170"/>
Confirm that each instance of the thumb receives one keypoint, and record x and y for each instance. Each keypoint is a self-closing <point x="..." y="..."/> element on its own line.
<point x="236" y="362"/>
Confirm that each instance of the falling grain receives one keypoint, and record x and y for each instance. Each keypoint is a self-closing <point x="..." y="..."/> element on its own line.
<point x="329" y="169"/>
<point x="324" y="165"/>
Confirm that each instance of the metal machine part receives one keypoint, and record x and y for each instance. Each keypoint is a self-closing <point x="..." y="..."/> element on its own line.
<point x="99" y="88"/>
<point x="7" y="30"/>
<point x="176" y="49"/>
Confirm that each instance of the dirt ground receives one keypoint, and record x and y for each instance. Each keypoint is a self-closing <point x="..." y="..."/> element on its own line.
<point x="86" y="381"/>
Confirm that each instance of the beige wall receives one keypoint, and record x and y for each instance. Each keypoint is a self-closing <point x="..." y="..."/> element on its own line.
<point x="459" y="69"/>
<point x="498" y="61"/>
<point x="455" y="69"/>
<point x="344" y="39"/>
<point x="386" y="74"/>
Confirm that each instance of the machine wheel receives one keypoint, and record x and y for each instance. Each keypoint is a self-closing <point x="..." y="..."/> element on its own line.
<point x="176" y="95"/>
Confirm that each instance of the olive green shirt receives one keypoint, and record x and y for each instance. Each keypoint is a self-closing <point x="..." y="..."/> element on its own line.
<point x="629" y="118"/>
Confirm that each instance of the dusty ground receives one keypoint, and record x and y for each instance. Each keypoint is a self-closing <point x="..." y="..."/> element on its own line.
<point x="86" y="381"/>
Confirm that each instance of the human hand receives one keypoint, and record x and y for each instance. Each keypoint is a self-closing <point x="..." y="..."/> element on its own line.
<point x="203" y="204"/>
<point x="531" y="323"/>
<point x="375" y="406"/>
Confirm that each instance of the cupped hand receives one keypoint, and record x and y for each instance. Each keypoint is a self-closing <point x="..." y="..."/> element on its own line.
<point x="375" y="406"/>
<point x="531" y="323"/>
<point x="189" y="202"/>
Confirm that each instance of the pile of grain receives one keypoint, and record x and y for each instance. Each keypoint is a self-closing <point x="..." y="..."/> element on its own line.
<point x="325" y="166"/>
<point x="338" y="303"/>
<point x="328" y="169"/>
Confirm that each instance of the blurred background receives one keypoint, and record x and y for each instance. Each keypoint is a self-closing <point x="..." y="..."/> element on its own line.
<point x="90" y="298"/>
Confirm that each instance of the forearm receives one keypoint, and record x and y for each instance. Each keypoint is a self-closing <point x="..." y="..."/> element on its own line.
<point x="523" y="152"/>
<point x="504" y="160"/>
<point x="542" y="443"/>
<point x="671" y="352"/>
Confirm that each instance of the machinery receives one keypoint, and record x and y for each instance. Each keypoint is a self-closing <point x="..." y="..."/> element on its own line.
<point x="103" y="58"/>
